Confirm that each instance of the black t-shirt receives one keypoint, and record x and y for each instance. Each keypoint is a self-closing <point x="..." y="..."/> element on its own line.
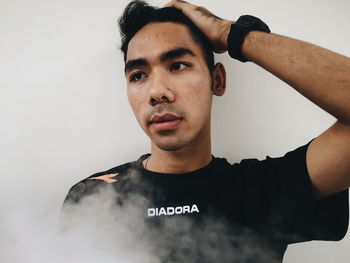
<point x="243" y="212"/>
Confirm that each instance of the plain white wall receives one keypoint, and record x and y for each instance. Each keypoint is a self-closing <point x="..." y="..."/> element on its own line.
<point x="64" y="112"/>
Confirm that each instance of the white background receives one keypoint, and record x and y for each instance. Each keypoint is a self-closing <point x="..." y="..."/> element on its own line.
<point x="64" y="112"/>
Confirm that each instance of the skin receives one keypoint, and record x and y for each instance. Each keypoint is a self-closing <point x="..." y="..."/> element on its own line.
<point x="318" y="74"/>
<point x="181" y="85"/>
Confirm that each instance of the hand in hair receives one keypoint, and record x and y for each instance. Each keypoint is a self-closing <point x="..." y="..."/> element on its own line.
<point x="215" y="28"/>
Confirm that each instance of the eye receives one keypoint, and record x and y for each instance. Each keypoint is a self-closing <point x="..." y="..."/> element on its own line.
<point x="179" y="66"/>
<point x="137" y="76"/>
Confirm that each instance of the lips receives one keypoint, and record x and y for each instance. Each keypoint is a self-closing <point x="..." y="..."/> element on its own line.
<point x="166" y="122"/>
<point x="164" y="118"/>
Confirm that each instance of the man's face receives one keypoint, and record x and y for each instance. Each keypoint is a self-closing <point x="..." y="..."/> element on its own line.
<point x="169" y="86"/>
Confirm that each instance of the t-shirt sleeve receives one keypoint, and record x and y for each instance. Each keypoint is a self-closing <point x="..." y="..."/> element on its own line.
<point x="282" y="190"/>
<point x="82" y="189"/>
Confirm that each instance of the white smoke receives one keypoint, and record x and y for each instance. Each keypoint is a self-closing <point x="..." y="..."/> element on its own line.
<point x="95" y="230"/>
<point x="119" y="233"/>
<point x="99" y="230"/>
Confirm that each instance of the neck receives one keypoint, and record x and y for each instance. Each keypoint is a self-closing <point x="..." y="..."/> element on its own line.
<point x="184" y="160"/>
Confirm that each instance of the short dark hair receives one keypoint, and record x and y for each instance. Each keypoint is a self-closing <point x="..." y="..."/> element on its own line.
<point x="139" y="13"/>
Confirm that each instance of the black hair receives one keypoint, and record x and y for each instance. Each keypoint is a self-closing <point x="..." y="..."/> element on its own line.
<point x="139" y="13"/>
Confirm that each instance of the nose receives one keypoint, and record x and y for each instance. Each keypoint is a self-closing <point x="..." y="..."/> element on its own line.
<point x="160" y="89"/>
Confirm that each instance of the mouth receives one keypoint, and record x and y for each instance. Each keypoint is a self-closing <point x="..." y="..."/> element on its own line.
<point x="164" y="122"/>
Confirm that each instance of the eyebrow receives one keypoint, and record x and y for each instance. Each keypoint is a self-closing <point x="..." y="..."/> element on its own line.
<point x="170" y="54"/>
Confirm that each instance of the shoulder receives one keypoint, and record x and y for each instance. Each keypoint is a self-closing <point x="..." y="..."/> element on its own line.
<point x="94" y="182"/>
<point x="294" y="160"/>
<point x="270" y="177"/>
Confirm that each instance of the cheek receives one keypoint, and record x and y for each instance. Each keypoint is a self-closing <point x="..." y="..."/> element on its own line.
<point x="197" y="94"/>
<point x="131" y="100"/>
<point x="135" y="103"/>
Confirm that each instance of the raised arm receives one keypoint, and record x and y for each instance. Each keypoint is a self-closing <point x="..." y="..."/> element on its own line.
<point x="320" y="75"/>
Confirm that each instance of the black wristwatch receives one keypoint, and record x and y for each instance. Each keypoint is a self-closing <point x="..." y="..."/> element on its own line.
<point x="239" y="30"/>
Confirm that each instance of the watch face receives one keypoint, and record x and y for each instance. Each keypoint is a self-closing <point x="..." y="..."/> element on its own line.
<point x="251" y="22"/>
<point x="246" y="21"/>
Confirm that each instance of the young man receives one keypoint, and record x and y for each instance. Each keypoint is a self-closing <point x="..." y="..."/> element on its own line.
<point x="171" y="80"/>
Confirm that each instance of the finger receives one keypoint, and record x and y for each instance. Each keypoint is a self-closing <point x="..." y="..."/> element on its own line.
<point x="185" y="7"/>
<point x="169" y="4"/>
<point x="179" y="4"/>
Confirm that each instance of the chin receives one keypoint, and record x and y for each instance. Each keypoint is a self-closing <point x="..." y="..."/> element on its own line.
<point x="170" y="148"/>
<point x="166" y="145"/>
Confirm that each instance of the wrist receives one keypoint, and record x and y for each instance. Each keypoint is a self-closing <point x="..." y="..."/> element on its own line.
<point x="224" y="32"/>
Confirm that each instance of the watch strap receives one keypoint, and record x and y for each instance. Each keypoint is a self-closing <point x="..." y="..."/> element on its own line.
<point x="238" y="32"/>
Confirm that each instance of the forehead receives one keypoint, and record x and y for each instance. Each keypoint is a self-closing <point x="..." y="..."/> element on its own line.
<point x="157" y="37"/>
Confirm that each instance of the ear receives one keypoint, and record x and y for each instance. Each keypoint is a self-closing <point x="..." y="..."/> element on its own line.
<point x="219" y="79"/>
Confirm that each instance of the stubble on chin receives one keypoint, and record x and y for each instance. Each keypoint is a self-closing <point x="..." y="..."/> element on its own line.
<point x="170" y="146"/>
